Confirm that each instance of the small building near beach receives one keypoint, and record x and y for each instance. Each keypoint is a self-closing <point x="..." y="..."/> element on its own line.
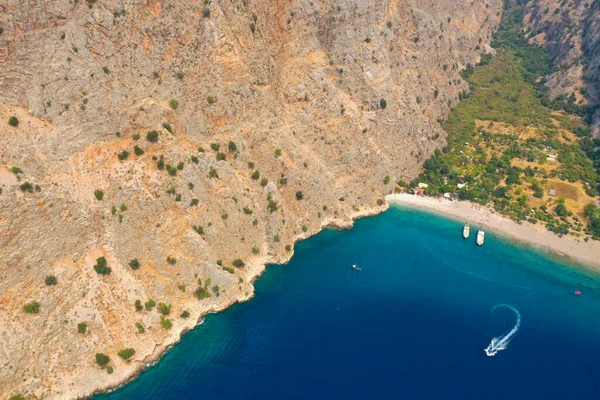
<point x="552" y="192"/>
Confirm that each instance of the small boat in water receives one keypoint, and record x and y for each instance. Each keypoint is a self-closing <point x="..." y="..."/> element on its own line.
<point x="480" y="237"/>
<point x="466" y="231"/>
<point x="356" y="267"/>
<point x="578" y="292"/>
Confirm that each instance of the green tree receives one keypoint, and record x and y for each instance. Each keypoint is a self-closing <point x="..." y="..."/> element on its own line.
<point x="134" y="264"/>
<point x="165" y="322"/>
<point x="13" y="121"/>
<point x="163" y="308"/>
<point x="102" y="359"/>
<point x="81" y="327"/>
<point x="149" y="305"/>
<point x="102" y="267"/>
<point x="152" y="136"/>
<point x="50" y="280"/>
<point x="127" y="353"/>
<point x="140" y="327"/>
<point x="99" y="194"/>
<point x="238" y="263"/>
<point x="561" y="210"/>
<point x="32" y="308"/>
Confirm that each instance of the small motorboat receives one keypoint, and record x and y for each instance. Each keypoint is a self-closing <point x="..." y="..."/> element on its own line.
<point x="466" y="231"/>
<point x="480" y="237"/>
<point x="578" y="292"/>
<point x="356" y="267"/>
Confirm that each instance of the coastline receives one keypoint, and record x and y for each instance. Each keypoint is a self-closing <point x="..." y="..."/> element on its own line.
<point x="255" y="268"/>
<point x="567" y="248"/>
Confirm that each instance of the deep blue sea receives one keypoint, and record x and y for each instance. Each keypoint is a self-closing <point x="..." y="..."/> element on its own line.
<point x="413" y="324"/>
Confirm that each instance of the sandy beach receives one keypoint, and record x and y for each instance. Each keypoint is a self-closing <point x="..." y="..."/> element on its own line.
<point x="587" y="253"/>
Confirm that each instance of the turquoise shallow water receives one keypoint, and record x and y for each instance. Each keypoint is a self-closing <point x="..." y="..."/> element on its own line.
<point x="413" y="324"/>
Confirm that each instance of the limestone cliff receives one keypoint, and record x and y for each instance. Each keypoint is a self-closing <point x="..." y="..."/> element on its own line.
<point x="571" y="31"/>
<point x="272" y="119"/>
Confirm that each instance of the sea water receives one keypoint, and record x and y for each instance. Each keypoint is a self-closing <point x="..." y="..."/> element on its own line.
<point x="412" y="324"/>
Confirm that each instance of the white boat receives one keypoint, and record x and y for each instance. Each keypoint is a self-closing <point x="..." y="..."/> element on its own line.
<point x="480" y="237"/>
<point x="466" y="231"/>
<point x="356" y="267"/>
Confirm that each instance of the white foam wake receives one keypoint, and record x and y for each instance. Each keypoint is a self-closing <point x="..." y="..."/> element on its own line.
<point x="501" y="342"/>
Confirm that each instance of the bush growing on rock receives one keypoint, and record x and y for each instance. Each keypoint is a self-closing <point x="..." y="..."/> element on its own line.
<point x="127" y="353"/>
<point x="382" y="104"/>
<point x="201" y="293"/>
<point x="149" y="305"/>
<point x="185" y="315"/>
<point x="163" y="308"/>
<point x="138" y="305"/>
<point x="238" y="263"/>
<point x="102" y="267"/>
<point x="81" y="327"/>
<point x="32" y="308"/>
<point x="174" y="104"/>
<point x="102" y="359"/>
<point x="99" y="194"/>
<point x="26" y="187"/>
<point x="152" y="136"/>
<point x="140" y="327"/>
<point x="165" y="322"/>
<point x="232" y="147"/>
<point x="13" y="121"/>
<point x="138" y="150"/>
<point x="299" y="195"/>
<point x="134" y="264"/>
<point x="50" y="280"/>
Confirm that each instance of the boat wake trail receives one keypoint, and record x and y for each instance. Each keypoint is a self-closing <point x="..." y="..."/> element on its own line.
<point x="501" y="342"/>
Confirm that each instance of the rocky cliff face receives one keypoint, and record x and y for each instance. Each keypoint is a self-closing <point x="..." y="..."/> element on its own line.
<point x="571" y="31"/>
<point x="274" y="119"/>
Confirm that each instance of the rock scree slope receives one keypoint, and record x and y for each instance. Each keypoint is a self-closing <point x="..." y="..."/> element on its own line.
<point x="168" y="150"/>
<point x="571" y="32"/>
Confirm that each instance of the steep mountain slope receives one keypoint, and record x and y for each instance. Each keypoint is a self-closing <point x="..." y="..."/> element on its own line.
<point x="571" y="31"/>
<point x="274" y="119"/>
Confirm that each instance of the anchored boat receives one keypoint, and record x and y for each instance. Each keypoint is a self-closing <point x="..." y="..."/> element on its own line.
<point x="480" y="237"/>
<point x="356" y="267"/>
<point x="466" y="231"/>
